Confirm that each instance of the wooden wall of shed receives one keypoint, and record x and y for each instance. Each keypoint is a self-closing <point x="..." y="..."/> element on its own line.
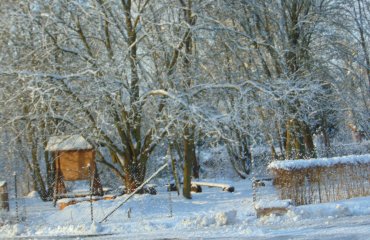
<point x="74" y="165"/>
<point x="4" y="197"/>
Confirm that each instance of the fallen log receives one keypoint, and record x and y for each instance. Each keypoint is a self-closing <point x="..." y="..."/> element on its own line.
<point x="225" y="187"/>
<point x="65" y="202"/>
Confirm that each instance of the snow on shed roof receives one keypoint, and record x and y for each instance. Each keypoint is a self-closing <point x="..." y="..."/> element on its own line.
<point x="67" y="142"/>
<point x="2" y="183"/>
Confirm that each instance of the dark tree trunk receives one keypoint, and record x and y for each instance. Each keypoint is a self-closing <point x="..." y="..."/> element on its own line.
<point x="189" y="158"/>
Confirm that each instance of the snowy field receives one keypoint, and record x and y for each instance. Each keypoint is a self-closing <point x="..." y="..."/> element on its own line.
<point x="212" y="214"/>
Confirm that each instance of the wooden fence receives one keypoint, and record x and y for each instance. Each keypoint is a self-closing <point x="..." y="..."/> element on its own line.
<point x="322" y="180"/>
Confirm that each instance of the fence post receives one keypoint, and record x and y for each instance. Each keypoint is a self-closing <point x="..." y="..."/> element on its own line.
<point x="91" y="193"/>
<point x="16" y="196"/>
<point x="254" y="187"/>
<point x="4" y="197"/>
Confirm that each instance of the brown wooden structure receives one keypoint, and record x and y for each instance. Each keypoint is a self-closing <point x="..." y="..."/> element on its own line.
<point x="74" y="160"/>
<point x="4" y="197"/>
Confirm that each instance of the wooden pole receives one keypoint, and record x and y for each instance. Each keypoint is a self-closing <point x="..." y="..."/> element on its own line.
<point x="16" y="196"/>
<point x="91" y="193"/>
<point x="254" y="187"/>
<point x="56" y="169"/>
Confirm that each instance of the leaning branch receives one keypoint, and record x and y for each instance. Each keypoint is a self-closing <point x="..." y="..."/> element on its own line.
<point x="134" y="192"/>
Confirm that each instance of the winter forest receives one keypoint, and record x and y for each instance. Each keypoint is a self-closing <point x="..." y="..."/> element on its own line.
<point x="149" y="82"/>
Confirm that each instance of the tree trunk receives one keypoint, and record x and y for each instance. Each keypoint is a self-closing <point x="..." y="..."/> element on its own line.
<point x="324" y="130"/>
<point x="280" y="140"/>
<point x="134" y="175"/>
<point x="308" y="141"/>
<point x="363" y="42"/>
<point x="288" y="140"/>
<point x="174" y="168"/>
<point x="189" y="145"/>
<point x="299" y="141"/>
<point x="196" y="166"/>
<point x="189" y="158"/>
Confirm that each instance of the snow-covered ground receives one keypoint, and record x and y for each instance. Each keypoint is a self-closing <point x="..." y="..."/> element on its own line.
<point x="210" y="214"/>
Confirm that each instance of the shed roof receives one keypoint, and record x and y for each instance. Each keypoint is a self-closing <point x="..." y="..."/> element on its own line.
<point x="2" y="183"/>
<point x="67" y="142"/>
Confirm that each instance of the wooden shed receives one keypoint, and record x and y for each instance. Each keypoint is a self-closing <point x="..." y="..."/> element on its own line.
<point x="74" y="160"/>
